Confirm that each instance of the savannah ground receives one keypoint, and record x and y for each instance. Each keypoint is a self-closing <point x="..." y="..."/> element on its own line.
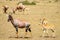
<point x="37" y="12"/>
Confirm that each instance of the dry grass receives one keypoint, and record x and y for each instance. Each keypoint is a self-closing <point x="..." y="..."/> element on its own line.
<point x="48" y="10"/>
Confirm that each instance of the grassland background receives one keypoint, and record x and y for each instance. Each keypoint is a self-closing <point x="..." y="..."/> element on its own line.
<point x="43" y="9"/>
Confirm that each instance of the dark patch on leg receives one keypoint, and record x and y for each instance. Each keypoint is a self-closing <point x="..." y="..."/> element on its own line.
<point x="16" y="29"/>
<point x="52" y="30"/>
<point x="29" y="29"/>
<point x="26" y="30"/>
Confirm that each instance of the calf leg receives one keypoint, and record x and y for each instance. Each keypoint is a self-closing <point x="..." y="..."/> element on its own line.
<point x="53" y="34"/>
<point x="45" y="32"/>
<point x="52" y="30"/>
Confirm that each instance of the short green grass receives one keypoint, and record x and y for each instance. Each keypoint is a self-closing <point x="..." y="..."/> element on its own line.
<point x="27" y="3"/>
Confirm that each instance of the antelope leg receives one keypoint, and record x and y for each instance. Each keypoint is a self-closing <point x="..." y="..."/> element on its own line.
<point x="17" y="31"/>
